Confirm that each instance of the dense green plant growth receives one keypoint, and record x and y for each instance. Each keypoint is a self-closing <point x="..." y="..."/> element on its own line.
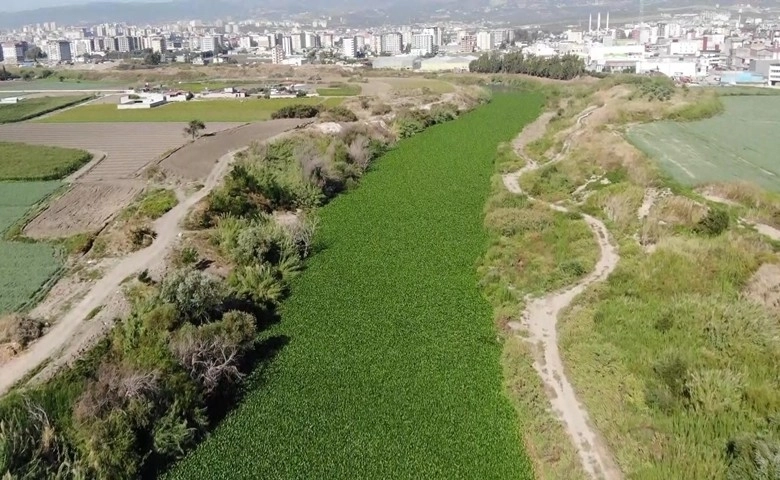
<point x="391" y="365"/>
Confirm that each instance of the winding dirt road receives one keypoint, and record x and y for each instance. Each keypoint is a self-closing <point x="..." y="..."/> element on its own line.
<point x="540" y="320"/>
<point x="167" y="228"/>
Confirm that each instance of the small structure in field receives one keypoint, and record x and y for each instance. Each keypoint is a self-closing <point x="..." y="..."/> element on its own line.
<point x="136" y="101"/>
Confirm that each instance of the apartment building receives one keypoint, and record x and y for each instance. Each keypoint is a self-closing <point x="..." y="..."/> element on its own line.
<point x="773" y="77"/>
<point x="392" y="43"/>
<point x="349" y="47"/>
<point x="159" y="45"/>
<point x="59" y="51"/>
<point x="423" y="44"/>
<point x="277" y="55"/>
<point x="485" y="41"/>
<point x="14" y="52"/>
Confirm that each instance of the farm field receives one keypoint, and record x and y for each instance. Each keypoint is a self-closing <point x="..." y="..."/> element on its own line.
<point x="196" y="160"/>
<point x="54" y="84"/>
<point x="436" y="86"/>
<point x="391" y="367"/>
<point x="20" y="161"/>
<point x="128" y="147"/>
<point x="24" y="267"/>
<point x="247" y="110"/>
<point x="340" y="91"/>
<point x="35" y="107"/>
<point x="740" y="144"/>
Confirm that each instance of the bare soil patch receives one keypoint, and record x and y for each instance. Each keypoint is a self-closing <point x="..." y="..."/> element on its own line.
<point x="86" y="207"/>
<point x="195" y="160"/>
<point x="764" y="287"/>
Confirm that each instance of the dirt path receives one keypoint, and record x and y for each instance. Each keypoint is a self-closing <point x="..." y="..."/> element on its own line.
<point x="762" y="228"/>
<point x="540" y="319"/>
<point x="167" y="228"/>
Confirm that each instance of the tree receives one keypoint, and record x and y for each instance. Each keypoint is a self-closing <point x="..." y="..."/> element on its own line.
<point x="153" y="58"/>
<point x="194" y="128"/>
<point x="34" y="53"/>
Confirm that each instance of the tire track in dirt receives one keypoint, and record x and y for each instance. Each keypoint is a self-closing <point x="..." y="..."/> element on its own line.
<point x="540" y="320"/>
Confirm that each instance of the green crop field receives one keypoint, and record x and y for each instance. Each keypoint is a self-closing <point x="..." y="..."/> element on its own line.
<point x="391" y="367"/>
<point x="24" y="267"/>
<point x="740" y="144"/>
<point x="340" y="91"/>
<point x="35" y="107"/>
<point x="19" y="161"/>
<point x="246" y="110"/>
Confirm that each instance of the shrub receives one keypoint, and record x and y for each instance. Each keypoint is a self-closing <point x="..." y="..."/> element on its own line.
<point x="296" y="111"/>
<point x="339" y="114"/>
<point x="195" y="294"/>
<point x="714" y="223"/>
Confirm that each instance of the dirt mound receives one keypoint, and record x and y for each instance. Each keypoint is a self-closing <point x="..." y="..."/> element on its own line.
<point x="764" y="287"/>
<point x="86" y="207"/>
<point x="194" y="161"/>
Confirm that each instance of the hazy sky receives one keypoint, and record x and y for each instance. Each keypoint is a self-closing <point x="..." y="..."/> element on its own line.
<point x="19" y="5"/>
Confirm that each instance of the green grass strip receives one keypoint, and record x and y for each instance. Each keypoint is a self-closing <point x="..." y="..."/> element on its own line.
<point x="392" y="364"/>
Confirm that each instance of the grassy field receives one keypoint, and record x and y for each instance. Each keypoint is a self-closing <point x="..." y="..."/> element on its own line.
<point x="20" y="161"/>
<point x="35" y="107"/>
<point x="24" y="267"/>
<point x="53" y="83"/>
<point x="435" y="86"/>
<point x="247" y="110"/>
<point x="340" y="91"/>
<point x="740" y="144"/>
<point x="391" y="366"/>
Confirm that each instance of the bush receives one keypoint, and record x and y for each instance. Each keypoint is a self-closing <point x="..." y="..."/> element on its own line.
<point x="339" y="114"/>
<point x="714" y="223"/>
<point x="296" y="111"/>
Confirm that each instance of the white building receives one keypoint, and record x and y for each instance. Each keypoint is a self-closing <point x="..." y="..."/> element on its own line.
<point x="297" y="42"/>
<point x="671" y="67"/>
<point x="774" y="74"/>
<point x="398" y="62"/>
<point x="392" y="43"/>
<point x="159" y="45"/>
<point x="210" y="43"/>
<point x="685" y="47"/>
<point x="14" y="52"/>
<point x="436" y="33"/>
<point x="422" y="44"/>
<point x="287" y="45"/>
<point x="446" y="64"/>
<point x="348" y="47"/>
<point x="59" y="51"/>
<point x="485" y="41"/>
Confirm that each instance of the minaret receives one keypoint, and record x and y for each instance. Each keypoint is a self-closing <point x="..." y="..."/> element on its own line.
<point x="607" y="29"/>
<point x="598" y="22"/>
<point x="590" y="23"/>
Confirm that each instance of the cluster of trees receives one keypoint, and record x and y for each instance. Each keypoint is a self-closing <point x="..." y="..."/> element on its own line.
<point x="563" y="67"/>
<point x="300" y="172"/>
<point x="334" y="114"/>
<point x="411" y="122"/>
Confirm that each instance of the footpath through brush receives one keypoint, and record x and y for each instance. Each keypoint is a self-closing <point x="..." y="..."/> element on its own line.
<point x="540" y="320"/>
